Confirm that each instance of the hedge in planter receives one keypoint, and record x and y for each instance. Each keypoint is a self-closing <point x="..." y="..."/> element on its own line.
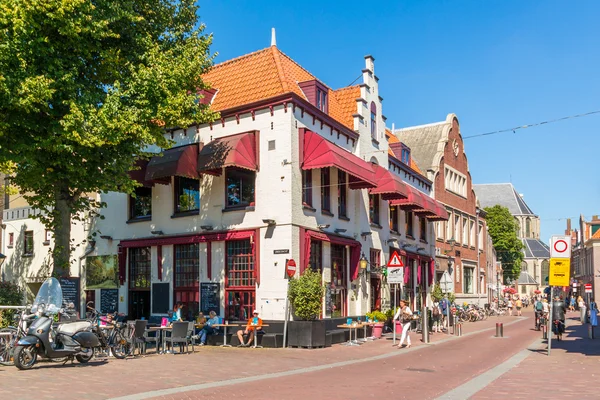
<point x="306" y="296"/>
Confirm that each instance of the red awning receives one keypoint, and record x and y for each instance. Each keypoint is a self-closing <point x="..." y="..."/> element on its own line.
<point x="321" y="153"/>
<point x="440" y="214"/>
<point x="139" y="174"/>
<point x="415" y="200"/>
<point x="176" y="161"/>
<point x="389" y="185"/>
<point x="236" y="150"/>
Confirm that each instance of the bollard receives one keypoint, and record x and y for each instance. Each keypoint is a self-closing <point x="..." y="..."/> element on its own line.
<point x="459" y="329"/>
<point x="544" y="331"/>
<point x="590" y="331"/>
<point x="499" y="329"/>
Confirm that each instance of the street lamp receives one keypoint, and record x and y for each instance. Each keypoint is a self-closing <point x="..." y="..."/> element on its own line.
<point x="363" y="263"/>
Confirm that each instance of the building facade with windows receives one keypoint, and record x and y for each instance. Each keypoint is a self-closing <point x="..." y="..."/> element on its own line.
<point x="585" y="256"/>
<point x="461" y="243"/>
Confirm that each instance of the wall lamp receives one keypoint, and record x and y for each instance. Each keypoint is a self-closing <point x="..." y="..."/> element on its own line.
<point x="323" y="226"/>
<point x="269" y="222"/>
<point x="206" y="227"/>
<point x="340" y="230"/>
<point x="107" y="237"/>
<point x="366" y="234"/>
<point x="157" y="232"/>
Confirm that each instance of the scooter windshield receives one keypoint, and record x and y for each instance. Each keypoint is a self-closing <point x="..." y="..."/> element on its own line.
<point x="49" y="298"/>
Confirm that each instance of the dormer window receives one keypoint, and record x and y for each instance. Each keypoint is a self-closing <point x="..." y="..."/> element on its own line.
<point x="405" y="156"/>
<point x="373" y="120"/>
<point x="316" y="93"/>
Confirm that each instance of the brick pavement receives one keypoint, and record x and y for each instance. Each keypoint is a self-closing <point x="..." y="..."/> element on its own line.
<point x="101" y="379"/>
<point x="571" y="371"/>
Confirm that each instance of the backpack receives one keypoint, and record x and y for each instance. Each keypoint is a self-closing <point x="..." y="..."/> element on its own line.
<point x="436" y="311"/>
<point x="539" y="306"/>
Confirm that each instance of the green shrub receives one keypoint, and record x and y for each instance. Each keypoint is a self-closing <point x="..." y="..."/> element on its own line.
<point x="377" y="315"/>
<point x="10" y="295"/>
<point x="436" y="293"/>
<point x="306" y="295"/>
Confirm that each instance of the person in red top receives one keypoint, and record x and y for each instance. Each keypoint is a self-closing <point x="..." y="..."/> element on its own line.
<point x="253" y="324"/>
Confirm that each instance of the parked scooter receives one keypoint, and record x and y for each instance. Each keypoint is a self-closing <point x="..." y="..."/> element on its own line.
<point x="70" y="340"/>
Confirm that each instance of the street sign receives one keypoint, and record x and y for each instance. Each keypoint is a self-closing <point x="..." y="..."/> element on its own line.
<point x="395" y="275"/>
<point x="395" y="260"/>
<point x="588" y="288"/>
<point x="560" y="247"/>
<point x="446" y="283"/>
<point x="560" y="269"/>
<point x="290" y="268"/>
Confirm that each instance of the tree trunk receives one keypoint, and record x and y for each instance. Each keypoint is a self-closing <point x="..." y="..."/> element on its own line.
<point x="62" y="233"/>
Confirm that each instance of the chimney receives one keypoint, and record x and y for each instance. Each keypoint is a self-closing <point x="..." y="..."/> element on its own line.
<point x="273" y="38"/>
<point x="595" y="217"/>
<point x="568" y="226"/>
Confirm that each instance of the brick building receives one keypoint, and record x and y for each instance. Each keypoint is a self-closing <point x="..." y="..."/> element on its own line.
<point x="461" y="242"/>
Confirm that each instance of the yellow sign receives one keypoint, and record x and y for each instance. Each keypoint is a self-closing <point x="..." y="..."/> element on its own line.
<point x="560" y="269"/>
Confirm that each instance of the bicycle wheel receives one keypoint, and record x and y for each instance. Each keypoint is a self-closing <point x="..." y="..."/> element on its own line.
<point x="8" y="338"/>
<point x="120" y="347"/>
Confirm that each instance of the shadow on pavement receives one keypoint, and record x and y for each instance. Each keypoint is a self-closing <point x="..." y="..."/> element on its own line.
<point x="576" y="339"/>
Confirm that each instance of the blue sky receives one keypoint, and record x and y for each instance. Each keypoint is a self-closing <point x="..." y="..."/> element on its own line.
<point x="496" y="64"/>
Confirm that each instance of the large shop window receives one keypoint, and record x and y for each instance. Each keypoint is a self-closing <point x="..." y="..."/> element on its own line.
<point x="28" y="243"/>
<point x="394" y="218"/>
<point x="325" y="190"/>
<point x="240" y="187"/>
<point x="374" y="208"/>
<point x="240" y="279"/>
<point x="423" y="228"/>
<point x="409" y="223"/>
<point x="342" y="194"/>
<point x="140" y="204"/>
<point x="187" y="194"/>
<point x="187" y="275"/>
<point x="316" y="254"/>
<point x="307" y="192"/>
<point x="468" y="280"/>
<point x="139" y="268"/>
<point x="338" y="280"/>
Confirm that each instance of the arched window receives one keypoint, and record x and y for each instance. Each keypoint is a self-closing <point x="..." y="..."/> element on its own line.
<point x="373" y="120"/>
<point x="528" y="227"/>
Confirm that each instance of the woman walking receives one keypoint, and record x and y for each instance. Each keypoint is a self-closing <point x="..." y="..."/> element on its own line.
<point x="405" y="315"/>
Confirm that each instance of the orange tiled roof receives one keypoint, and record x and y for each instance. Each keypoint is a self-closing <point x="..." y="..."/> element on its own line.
<point x="596" y="235"/>
<point x="269" y="73"/>
<point x="393" y="139"/>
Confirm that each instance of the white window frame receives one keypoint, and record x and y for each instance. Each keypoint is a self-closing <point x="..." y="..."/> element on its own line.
<point x="455" y="181"/>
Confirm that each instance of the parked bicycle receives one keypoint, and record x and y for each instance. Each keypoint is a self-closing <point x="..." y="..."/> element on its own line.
<point x="10" y="336"/>
<point x="114" y="336"/>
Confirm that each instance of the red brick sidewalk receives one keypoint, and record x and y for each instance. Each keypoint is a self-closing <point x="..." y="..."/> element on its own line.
<point x="114" y="378"/>
<point x="571" y="371"/>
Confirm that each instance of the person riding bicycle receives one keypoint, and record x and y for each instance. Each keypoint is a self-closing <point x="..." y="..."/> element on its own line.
<point x="558" y="317"/>
<point x="539" y="310"/>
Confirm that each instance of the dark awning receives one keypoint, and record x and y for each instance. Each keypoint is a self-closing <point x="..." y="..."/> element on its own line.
<point x="389" y="185"/>
<point x="321" y="153"/>
<point x="236" y="150"/>
<point x="139" y="174"/>
<point x="176" y="161"/>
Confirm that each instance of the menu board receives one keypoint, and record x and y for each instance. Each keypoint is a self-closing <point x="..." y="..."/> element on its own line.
<point x="328" y="300"/>
<point x="160" y="298"/>
<point x="70" y="291"/>
<point x="210" y="297"/>
<point x="109" y="300"/>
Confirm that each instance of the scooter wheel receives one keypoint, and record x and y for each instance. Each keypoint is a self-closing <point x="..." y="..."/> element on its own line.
<point x="83" y="358"/>
<point x="25" y="357"/>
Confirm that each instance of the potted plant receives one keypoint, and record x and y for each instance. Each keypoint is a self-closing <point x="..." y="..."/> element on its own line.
<point x="306" y="297"/>
<point x="379" y="319"/>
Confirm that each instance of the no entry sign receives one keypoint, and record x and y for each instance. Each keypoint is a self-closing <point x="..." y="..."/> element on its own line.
<point x="588" y="288"/>
<point x="290" y="268"/>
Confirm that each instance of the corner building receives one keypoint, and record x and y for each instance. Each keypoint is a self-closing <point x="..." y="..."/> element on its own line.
<point x="292" y="170"/>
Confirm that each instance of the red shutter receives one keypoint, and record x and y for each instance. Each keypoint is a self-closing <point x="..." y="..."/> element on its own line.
<point x="256" y="253"/>
<point x="159" y="256"/>
<point x="122" y="258"/>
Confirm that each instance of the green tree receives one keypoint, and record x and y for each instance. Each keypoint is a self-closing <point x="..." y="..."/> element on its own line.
<point x="85" y="88"/>
<point x="503" y="230"/>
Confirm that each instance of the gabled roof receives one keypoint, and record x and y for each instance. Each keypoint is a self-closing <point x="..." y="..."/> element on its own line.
<point x="535" y="248"/>
<point x="526" y="279"/>
<point x="504" y="194"/>
<point x="393" y="139"/>
<point x="268" y="73"/>
<point x="426" y="142"/>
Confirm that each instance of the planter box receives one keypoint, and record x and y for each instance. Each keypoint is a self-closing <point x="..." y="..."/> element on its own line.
<point x="309" y="334"/>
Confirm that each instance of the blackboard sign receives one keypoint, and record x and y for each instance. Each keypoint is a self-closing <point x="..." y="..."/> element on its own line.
<point x="71" y="291"/>
<point x="109" y="300"/>
<point x="160" y="298"/>
<point x="210" y="297"/>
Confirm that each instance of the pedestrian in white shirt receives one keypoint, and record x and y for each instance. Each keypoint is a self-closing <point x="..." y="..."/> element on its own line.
<point x="404" y="314"/>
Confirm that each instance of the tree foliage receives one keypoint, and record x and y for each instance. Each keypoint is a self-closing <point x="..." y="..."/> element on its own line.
<point x="85" y="88"/>
<point x="10" y="295"/>
<point x="503" y="230"/>
<point x="306" y="295"/>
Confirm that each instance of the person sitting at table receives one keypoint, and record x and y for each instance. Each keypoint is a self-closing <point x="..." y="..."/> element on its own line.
<point x="252" y="325"/>
<point x="176" y="312"/>
<point x="208" y="328"/>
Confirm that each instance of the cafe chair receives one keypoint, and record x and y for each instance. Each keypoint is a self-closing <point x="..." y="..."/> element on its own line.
<point x="179" y="335"/>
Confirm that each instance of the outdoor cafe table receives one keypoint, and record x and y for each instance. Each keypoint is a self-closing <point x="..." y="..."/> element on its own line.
<point x="365" y="338"/>
<point x="225" y="326"/>
<point x="256" y="334"/>
<point x="354" y="327"/>
<point x="161" y="332"/>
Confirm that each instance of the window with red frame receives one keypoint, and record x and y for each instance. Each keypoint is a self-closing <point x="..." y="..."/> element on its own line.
<point x="139" y="268"/>
<point x="187" y="276"/>
<point x="240" y="279"/>
<point x="11" y="239"/>
<point x="338" y="280"/>
<point x="375" y="258"/>
<point x="307" y="192"/>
